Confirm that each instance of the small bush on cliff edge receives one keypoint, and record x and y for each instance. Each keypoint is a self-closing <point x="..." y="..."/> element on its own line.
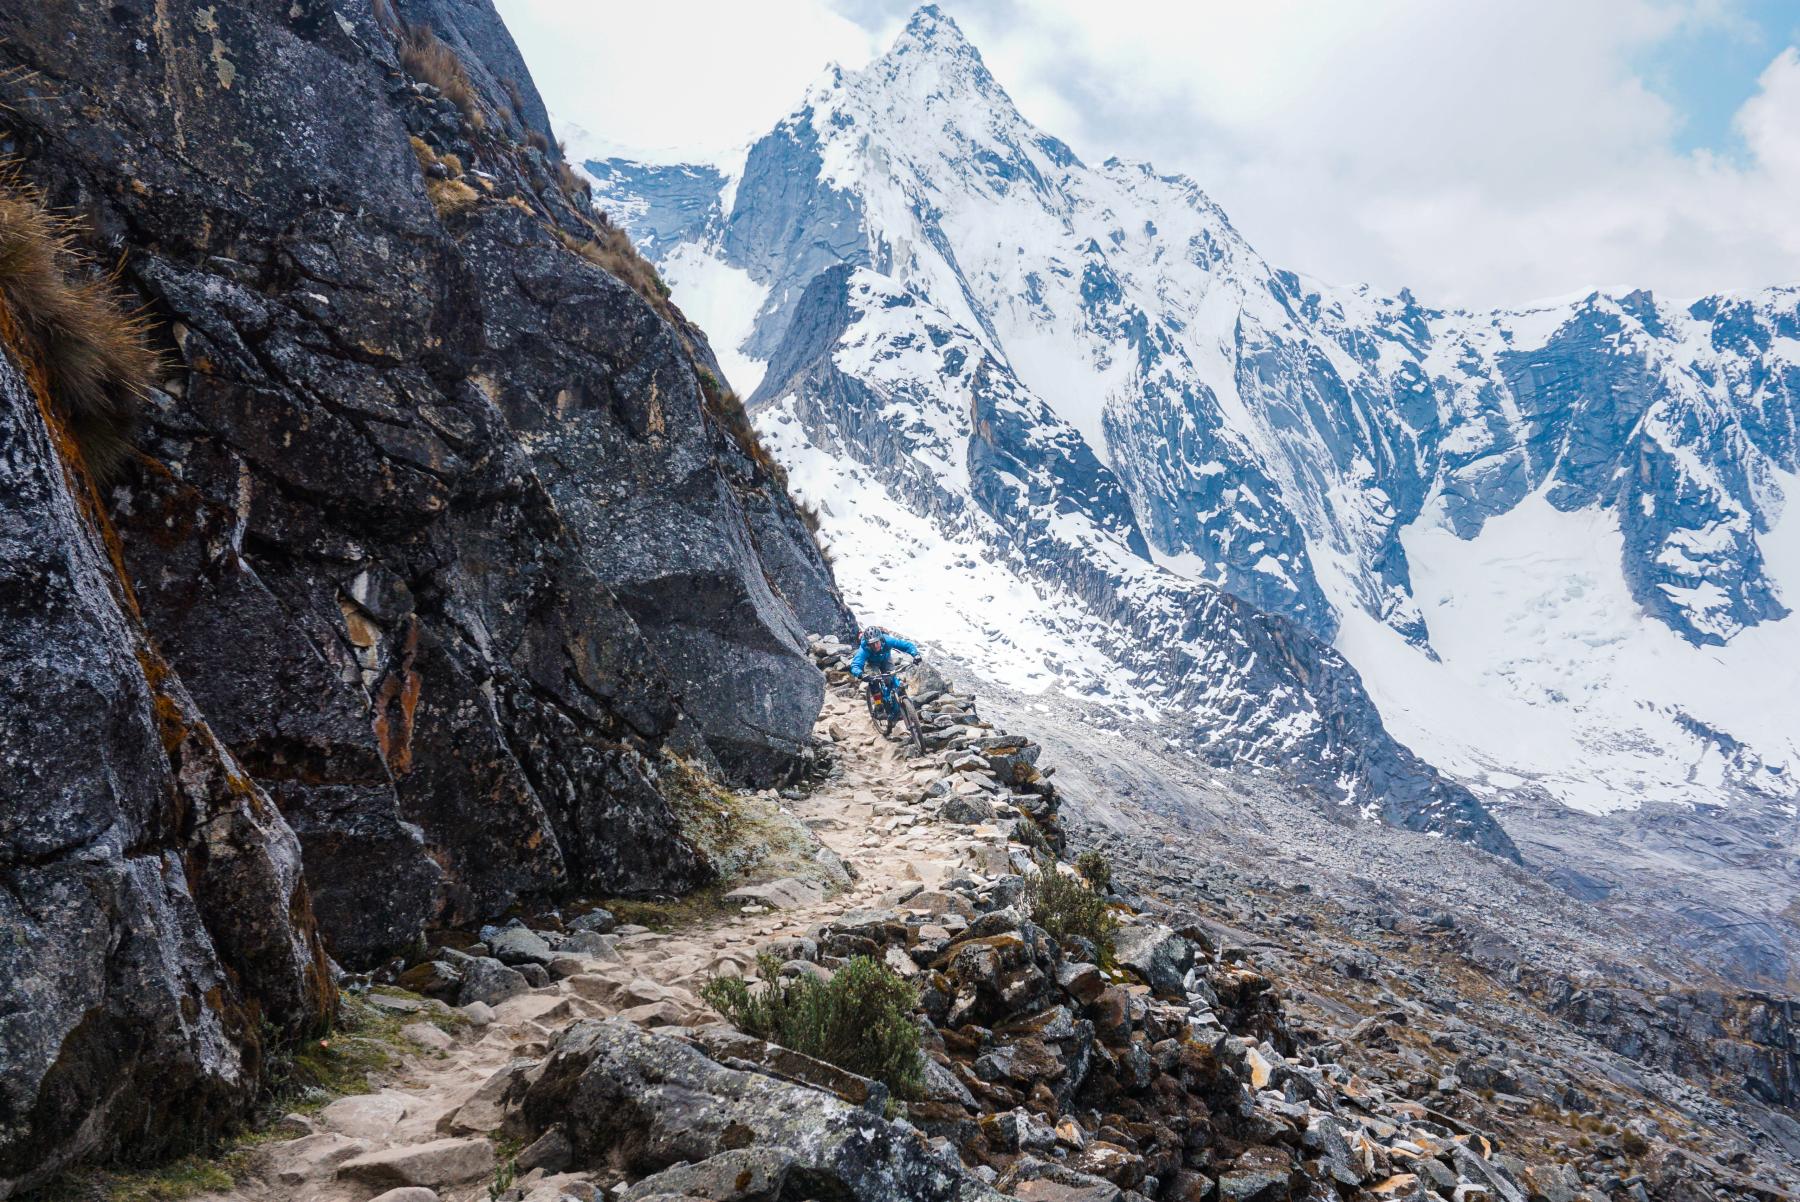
<point x="727" y="408"/>
<point x="1096" y="866"/>
<point x="94" y="354"/>
<point x="1067" y="905"/>
<point x="861" y="1019"/>
<point x="611" y="249"/>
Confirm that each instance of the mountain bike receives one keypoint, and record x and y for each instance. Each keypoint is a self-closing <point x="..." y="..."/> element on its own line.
<point x="885" y="695"/>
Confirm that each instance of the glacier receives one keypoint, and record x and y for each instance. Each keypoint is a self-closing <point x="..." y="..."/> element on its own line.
<point x="1063" y="417"/>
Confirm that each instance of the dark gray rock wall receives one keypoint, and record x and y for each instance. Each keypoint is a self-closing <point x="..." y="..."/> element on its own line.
<point x="433" y="517"/>
<point x="430" y="520"/>
<point x="155" y="932"/>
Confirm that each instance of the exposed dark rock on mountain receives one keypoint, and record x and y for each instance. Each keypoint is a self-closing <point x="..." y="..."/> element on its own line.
<point x="431" y="523"/>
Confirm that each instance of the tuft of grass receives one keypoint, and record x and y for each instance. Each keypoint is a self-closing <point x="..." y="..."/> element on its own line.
<point x="359" y="1048"/>
<point x="727" y="408"/>
<point x="94" y="353"/>
<point x="427" y="58"/>
<point x="451" y="197"/>
<point x="1096" y="866"/>
<point x="860" y="1020"/>
<point x="172" y="1182"/>
<point x="574" y="185"/>
<point x="690" y="910"/>
<point x="448" y="196"/>
<point x="1067" y="905"/>
<point x="609" y="248"/>
<point x="515" y="96"/>
<point x="811" y="518"/>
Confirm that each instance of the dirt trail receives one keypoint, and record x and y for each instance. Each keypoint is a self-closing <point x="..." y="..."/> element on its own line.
<point x="427" y="1109"/>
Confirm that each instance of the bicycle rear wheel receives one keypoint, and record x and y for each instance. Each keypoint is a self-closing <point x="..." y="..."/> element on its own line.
<point x="911" y="712"/>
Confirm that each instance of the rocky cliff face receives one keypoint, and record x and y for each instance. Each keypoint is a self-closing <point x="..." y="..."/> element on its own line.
<point x="156" y="936"/>
<point x="441" y="552"/>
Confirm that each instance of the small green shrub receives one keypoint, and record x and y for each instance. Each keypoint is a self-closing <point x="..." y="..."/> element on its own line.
<point x="1066" y="905"/>
<point x="1096" y="866"/>
<point x="504" y="1178"/>
<point x="860" y="1020"/>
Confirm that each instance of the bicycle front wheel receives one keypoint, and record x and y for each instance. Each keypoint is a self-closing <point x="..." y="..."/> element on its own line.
<point x="913" y="725"/>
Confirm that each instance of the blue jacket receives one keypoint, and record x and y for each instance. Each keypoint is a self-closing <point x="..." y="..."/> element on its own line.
<point x="883" y="660"/>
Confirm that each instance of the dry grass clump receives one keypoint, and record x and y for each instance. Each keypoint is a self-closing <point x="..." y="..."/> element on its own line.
<point x="514" y="95"/>
<point x="573" y="185"/>
<point x="451" y="196"/>
<point x="611" y="249"/>
<point x="814" y="521"/>
<point x="727" y="408"/>
<point x="94" y="352"/>
<point x="426" y="58"/>
<point x="448" y="196"/>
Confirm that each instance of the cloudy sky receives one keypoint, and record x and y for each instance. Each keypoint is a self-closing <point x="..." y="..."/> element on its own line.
<point x="1482" y="152"/>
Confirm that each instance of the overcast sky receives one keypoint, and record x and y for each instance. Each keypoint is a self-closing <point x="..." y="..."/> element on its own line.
<point x="1482" y="152"/>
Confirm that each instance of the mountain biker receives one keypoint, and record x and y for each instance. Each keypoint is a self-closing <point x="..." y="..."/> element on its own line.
<point x="876" y="652"/>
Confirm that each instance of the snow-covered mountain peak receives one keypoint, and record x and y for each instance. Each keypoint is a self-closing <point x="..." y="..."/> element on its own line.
<point x="1337" y="456"/>
<point x="931" y="35"/>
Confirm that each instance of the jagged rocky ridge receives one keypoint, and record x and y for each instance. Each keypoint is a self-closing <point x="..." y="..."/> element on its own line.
<point x="434" y="564"/>
<point x="1570" y="504"/>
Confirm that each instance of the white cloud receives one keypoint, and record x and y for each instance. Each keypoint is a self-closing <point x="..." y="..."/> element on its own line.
<point x="1481" y="153"/>
<point x="689" y="76"/>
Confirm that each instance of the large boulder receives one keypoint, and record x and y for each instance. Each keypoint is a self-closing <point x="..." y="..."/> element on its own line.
<point x="743" y="1175"/>
<point x="1156" y="955"/>
<point x="155" y="931"/>
<point x="644" y="1103"/>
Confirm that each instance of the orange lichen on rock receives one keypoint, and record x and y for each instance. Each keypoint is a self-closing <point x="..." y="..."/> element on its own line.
<point x="396" y="701"/>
